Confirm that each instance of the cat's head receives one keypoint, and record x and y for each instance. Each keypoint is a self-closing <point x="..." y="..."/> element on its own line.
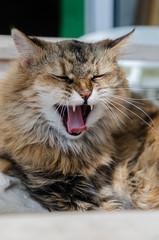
<point x="74" y="83"/>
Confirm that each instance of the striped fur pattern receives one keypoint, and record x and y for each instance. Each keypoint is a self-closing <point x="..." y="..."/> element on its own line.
<point x="112" y="165"/>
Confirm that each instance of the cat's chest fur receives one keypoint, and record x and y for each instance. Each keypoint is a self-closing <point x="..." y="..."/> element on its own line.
<point x="66" y="181"/>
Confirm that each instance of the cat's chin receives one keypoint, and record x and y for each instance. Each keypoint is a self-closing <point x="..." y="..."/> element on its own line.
<point x="73" y="137"/>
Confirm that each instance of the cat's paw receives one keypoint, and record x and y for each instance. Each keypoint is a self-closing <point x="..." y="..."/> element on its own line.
<point x="112" y="204"/>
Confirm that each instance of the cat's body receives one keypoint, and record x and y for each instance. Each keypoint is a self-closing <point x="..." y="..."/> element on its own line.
<point x="72" y="132"/>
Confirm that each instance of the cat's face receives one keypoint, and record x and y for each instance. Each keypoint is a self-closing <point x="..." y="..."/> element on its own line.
<point x="72" y="84"/>
<point x="75" y="82"/>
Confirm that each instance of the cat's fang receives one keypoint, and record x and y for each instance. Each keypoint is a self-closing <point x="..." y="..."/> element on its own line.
<point x="91" y="107"/>
<point x="74" y="108"/>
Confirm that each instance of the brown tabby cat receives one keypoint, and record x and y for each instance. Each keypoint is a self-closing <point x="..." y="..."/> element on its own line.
<point x="71" y="130"/>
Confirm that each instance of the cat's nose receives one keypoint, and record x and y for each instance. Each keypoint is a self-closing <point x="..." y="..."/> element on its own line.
<point x="85" y="94"/>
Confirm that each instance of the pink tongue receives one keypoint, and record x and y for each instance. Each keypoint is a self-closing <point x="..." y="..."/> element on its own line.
<point x="75" y="123"/>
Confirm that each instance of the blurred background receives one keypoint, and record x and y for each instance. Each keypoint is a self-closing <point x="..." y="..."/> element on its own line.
<point x="90" y="20"/>
<point x="73" y="18"/>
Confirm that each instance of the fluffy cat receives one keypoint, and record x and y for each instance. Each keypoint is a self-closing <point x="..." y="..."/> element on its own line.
<point x="71" y="130"/>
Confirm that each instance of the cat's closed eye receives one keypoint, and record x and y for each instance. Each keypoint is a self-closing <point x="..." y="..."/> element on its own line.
<point x="94" y="78"/>
<point x="68" y="80"/>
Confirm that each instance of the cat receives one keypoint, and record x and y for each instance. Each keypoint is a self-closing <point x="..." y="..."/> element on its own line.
<point x="72" y="130"/>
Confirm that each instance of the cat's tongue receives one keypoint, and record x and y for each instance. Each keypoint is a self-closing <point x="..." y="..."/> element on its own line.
<point x="75" y="123"/>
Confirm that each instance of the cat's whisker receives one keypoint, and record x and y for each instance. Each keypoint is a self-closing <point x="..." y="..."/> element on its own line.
<point x="114" y="115"/>
<point x="119" y="110"/>
<point x="26" y="130"/>
<point x="64" y="107"/>
<point x="60" y="104"/>
<point x="117" y="114"/>
<point x="57" y="108"/>
<point x="137" y="116"/>
<point x="133" y="88"/>
<point x="123" y="99"/>
<point x="58" y="128"/>
<point x="128" y="98"/>
<point x="136" y="89"/>
<point x="117" y="118"/>
<point x="134" y="105"/>
<point x="135" y="101"/>
<point x="62" y="113"/>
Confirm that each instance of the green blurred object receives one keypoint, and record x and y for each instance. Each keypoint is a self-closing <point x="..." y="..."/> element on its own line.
<point x="72" y="18"/>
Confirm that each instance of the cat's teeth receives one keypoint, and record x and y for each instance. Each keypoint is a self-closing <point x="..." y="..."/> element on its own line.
<point x="74" y="108"/>
<point x="91" y="107"/>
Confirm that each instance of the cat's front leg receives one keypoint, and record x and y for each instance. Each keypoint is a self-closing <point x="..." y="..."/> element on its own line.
<point x="61" y="193"/>
<point x="59" y="202"/>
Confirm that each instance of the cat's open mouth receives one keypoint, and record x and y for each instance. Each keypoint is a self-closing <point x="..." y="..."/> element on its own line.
<point x="74" y="118"/>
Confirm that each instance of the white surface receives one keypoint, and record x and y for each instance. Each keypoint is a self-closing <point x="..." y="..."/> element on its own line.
<point x="81" y="226"/>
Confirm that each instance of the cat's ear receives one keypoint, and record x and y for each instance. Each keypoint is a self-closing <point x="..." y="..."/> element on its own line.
<point x="25" y="46"/>
<point x="113" y="44"/>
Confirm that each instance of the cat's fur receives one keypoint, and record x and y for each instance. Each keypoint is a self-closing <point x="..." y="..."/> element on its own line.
<point x="112" y="165"/>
